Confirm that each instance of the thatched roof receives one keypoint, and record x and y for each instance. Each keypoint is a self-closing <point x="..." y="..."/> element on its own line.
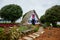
<point x="27" y="15"/>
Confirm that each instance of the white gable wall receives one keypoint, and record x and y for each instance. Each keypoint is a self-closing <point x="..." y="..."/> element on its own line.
<point x="30" y="19"/>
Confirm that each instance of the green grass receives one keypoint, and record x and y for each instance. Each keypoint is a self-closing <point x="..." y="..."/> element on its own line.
<point x="22" y="28"/>
<point x="1" y="29"/>
<point x="36" y="29"/>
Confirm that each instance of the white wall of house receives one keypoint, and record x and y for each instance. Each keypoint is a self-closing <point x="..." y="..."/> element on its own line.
<point x="30" y="19"/>
<point x="58" y="23"/>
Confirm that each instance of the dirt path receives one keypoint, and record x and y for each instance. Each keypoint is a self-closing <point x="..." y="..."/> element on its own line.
<point x="53" y="34"/>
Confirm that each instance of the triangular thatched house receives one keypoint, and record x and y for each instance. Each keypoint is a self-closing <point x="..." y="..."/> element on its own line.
<point x="27" y="18"/>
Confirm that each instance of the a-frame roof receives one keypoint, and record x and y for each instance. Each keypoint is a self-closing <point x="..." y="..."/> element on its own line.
<point x="28" y="15"/>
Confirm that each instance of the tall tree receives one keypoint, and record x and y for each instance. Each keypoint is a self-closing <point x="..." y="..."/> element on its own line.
<point x="11" y="12"/>
<point x="53" y="14"/>
<point x="43" y="19"/>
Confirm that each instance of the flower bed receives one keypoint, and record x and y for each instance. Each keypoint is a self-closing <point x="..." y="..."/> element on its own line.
<point x="13" y="33"/>
<point x="8" y="24"/>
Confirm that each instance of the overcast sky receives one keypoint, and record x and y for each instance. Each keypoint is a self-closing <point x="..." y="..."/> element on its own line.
<point x="39" y="5"/>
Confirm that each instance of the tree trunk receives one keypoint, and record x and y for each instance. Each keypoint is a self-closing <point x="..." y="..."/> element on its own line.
<point x="12" y="21"/>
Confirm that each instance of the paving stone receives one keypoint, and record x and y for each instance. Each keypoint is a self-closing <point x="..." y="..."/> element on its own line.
<point x="33" y="36"/>
<point x="42" y="32"/>
<point x="27" y="38"/>
<point x="37" y="35"/>
<point x="20" y="39"/>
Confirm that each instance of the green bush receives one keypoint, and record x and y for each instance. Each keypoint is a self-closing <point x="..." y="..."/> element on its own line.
<point x="46" y="24"/>
<point x="58" y="26"/>
<point x="1" y="29"/>
<point x="23" y="28"/>
<point x="13" y="33"/>
<point x="1" y="33"/>
<point x="36" y="29"/>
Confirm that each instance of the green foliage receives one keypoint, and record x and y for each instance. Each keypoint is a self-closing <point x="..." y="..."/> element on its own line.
<point x="43" y="19"/>
<point x="13" y="33"/>
<point x="1" y="29"/>
<point x="11" y="12"/>
<point x="2" y="35"/>
<point x="58" y="26"/>
<point x="36" y="29"/>
<point x="46" y="24"/>
<point x="22" y="28"/>
<point x="52" y="15"/>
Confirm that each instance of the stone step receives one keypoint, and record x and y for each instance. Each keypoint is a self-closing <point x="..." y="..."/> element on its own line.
<point x="40" y="32"/>
<point x="19" y="39"/>
<point x="32" y="36"/>
<point x="37" y="35"/>
<point x="27" y="38"/>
